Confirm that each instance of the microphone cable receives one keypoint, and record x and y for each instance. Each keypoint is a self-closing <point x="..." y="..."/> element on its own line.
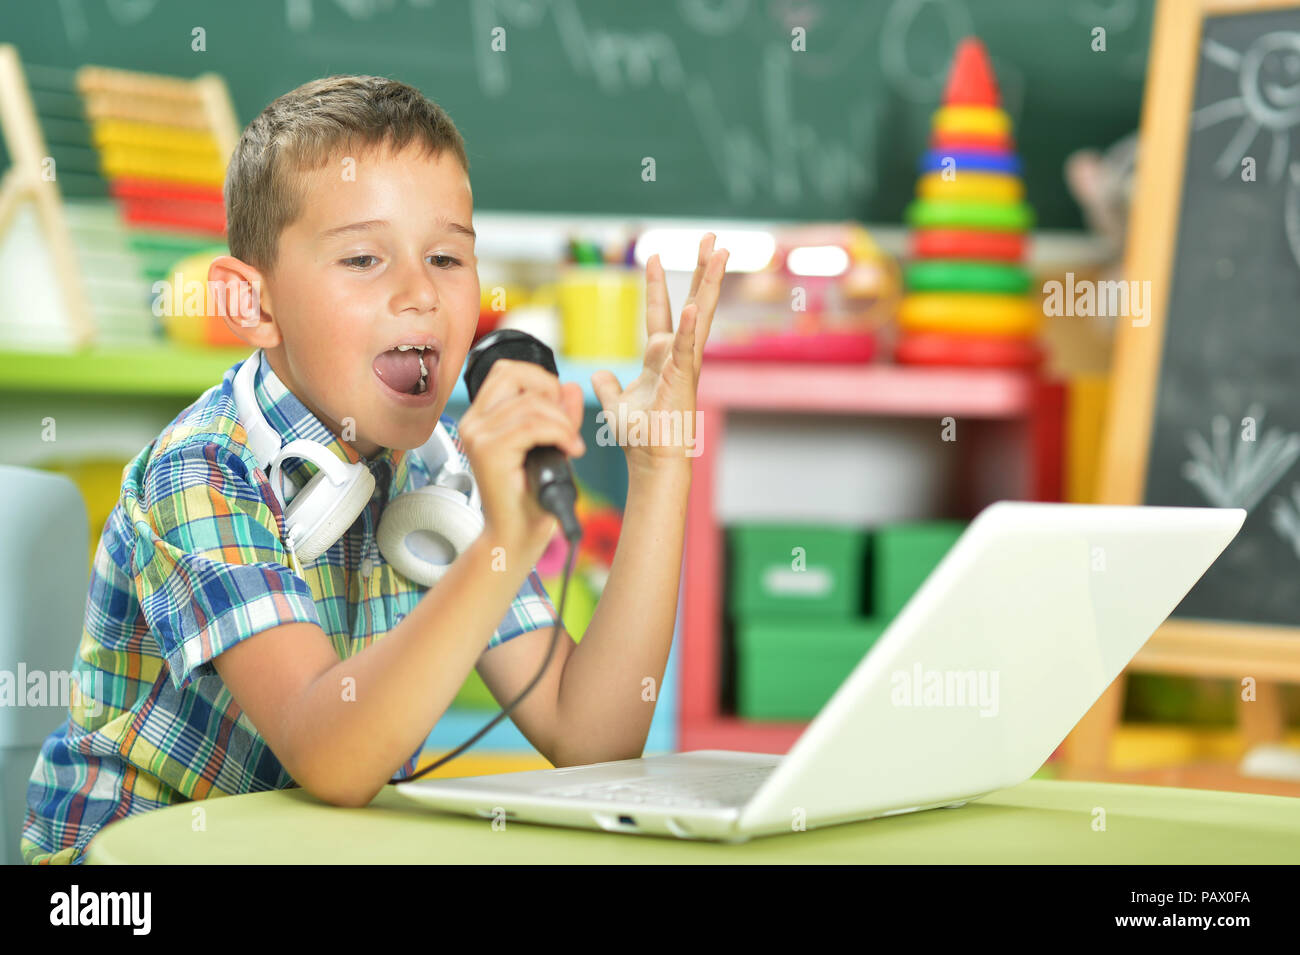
<point x="572" y="538"/>
<point x="549" y="476"/>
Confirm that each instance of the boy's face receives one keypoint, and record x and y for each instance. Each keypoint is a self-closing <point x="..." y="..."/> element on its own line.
<point x="376" y="259"/>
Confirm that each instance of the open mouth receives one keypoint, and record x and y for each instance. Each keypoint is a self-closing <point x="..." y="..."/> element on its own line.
<point x="406" y="368"/>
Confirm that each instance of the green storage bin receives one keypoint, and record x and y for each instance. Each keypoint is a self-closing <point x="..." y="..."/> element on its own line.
<point x="764" y="580"/>
<point x="903" y="557"/>
<point x="788" y="667"/>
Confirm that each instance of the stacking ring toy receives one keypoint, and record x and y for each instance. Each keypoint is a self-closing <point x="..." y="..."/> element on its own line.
<point x="969" y="214"/>
<point x="935" y="348"/>
<point x="970" y="160"/>
<point x="971" y="120"/>
<point x="956" y="275"/>
<point x="989" y="144"/>
<point x="968" y="313"/>
<point x="966" y="244"/>
<point x="990" y="186"/>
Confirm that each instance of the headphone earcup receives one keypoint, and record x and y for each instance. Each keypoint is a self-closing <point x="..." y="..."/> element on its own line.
<point x="321" y="513"/>
<point x="423" y="531"/>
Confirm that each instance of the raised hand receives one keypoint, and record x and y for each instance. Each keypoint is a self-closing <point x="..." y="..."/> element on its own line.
<point x="671" y="369"/>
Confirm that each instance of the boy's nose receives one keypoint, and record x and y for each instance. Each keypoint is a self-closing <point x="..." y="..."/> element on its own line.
<point x="416" y="289"/>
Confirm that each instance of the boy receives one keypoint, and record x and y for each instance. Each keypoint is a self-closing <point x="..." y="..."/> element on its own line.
<point x="225" y="669"/>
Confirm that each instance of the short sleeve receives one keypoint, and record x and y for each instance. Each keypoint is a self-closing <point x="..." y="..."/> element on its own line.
<point x="531" y="609"/>
<point x="208" y="565"/>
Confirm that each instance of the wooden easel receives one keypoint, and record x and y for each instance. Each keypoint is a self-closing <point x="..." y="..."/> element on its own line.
<point x="23" y="182"/>
<point x="1271" y="655"/>
<point x="130" y="102"/>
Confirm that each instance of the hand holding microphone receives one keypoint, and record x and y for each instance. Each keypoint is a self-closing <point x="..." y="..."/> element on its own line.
<point x="521" y="427"/>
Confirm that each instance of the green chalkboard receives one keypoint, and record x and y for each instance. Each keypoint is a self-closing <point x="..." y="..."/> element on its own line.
<point x="1226" y="424"/>
<point x="737" y="122"/>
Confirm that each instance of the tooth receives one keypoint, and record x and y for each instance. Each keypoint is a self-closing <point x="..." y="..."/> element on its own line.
<point x="424" y="372"/>
<point x="403" y="347"/>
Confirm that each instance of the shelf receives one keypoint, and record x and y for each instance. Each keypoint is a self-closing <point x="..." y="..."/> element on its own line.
<point x="176" y="371"/>
<point x="165" y="370"/>
<point x="145" y="371"/>
<point x="1029" y="414"/>
<point x="872" y="388"/>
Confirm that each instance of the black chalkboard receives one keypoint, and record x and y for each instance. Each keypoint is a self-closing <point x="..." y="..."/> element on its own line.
<point x="1231" y="354"/>
<point x="738" y="123"/>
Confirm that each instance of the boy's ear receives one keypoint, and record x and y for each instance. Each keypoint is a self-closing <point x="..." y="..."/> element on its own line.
<point x="244" y="302"/>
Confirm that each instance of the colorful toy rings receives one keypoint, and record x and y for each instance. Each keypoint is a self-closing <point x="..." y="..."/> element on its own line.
<point x="969" y="214"/>
<point x="936" y="348"/>
<point x="971" y="120"/>
<point x="984" y="186"/>
<point x="969" y="313"/>
<point x="948" y="275"/>
<point x="938" y="159"/>
<point x="968" y="244"/>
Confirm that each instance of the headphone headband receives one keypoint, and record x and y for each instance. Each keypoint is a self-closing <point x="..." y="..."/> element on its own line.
<point x="263" y="440"/>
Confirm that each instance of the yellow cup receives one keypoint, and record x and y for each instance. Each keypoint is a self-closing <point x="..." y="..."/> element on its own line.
<point x="601" y="312"/>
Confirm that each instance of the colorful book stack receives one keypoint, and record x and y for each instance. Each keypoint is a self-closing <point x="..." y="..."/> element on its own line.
<point x="967" y="300"/>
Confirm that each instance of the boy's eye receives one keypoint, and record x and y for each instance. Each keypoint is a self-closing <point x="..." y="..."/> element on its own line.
<point x="447" y="261"/>
<point x="360" y="261"/>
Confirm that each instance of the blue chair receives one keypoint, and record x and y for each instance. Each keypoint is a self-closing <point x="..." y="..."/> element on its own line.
<point x="43" y="586"/>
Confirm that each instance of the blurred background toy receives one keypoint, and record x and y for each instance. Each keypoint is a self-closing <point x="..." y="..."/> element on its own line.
<point x="1101" y="181"/>
<point x="190" y="310"/>
<point x="821" y="298"/>
<point x="967" y="300"/>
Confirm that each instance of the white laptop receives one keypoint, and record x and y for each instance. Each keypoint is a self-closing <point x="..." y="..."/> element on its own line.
<point x="1003" y="649"/>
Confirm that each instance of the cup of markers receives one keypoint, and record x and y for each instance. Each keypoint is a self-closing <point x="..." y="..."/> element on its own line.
<point x="600" y="298"/>
<point x="967" y="295"/>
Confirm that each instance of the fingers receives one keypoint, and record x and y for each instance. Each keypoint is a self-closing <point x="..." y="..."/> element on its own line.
<point x="508" y="377"/>
<point x="684" y="340"/>
<point x="573" y="402"/>
<point x="527" y="420"/>
<point x="606" y="388"/>
<point x="701" y="265"/>
<point x="526" y="408"/>
<point x="658" y="313"/>
<point x="707" y="300"/>
<point x="534" y="429"/>
<point x="706" y="288"/>
<point x="518" y="393"/>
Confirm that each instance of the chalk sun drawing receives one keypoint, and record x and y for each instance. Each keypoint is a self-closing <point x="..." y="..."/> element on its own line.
<point x="1242" y="476"/>
<point x="1268" y="79"/>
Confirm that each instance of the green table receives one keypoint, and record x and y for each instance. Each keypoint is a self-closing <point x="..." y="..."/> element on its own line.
<point x="1040" y="821"/>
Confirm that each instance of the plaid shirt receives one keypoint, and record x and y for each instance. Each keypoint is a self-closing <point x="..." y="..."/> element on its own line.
<point x="190" y="563"/>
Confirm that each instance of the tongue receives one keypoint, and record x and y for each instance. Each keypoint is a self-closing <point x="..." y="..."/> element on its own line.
<point x="399" y="370"/>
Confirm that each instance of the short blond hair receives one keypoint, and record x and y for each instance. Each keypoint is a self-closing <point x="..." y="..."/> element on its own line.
<point x="301" y="130"/>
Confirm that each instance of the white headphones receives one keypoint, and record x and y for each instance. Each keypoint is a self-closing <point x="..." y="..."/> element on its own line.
<point x="420" y="533"/>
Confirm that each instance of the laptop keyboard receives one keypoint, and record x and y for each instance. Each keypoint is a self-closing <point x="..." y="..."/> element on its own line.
<point x="689" y="791"/>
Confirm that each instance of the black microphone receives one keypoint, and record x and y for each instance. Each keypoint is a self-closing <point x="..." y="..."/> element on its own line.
<point x="550" y="476"/>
